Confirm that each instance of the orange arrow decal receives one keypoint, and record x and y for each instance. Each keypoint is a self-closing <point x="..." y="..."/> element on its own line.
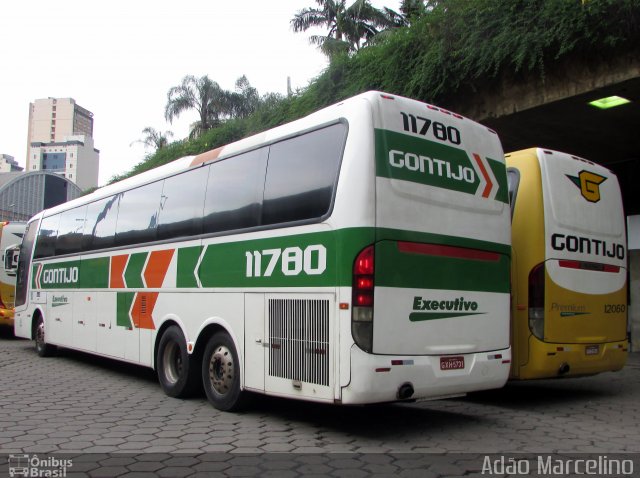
<point x="489" y="186"/>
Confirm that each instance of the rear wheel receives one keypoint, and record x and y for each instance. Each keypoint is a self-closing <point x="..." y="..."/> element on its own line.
<point x="42" y="347"/>
<point x="177" y="371"/>
<point x="221" y="374"/>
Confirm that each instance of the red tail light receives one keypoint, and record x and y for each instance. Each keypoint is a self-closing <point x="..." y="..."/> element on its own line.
<point x="362" y="298"/>
<point x="536" y="301"/>
<point x="363" y="274"/>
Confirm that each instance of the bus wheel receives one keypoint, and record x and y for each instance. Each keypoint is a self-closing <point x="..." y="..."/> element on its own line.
<point x="42" y="347"/>
<point x="221" y="374"/>
<point x="177" y="373"/>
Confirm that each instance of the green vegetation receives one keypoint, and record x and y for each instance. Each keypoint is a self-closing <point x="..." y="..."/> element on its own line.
<point x="448" y="49"/>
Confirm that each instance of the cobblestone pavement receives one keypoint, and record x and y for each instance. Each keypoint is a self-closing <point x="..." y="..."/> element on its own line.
<point x="78" y="404"/>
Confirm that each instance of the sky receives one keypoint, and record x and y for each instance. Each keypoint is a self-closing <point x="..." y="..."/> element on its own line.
<point x="119" y="58"/>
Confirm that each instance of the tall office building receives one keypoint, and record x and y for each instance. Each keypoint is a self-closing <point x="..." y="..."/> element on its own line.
<point x="60" y="141"/>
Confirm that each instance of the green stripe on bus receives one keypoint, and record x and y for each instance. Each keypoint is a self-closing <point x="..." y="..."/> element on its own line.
<point x="292" y="261"/>
<point x="499" y="170"/>
<point x="429" y="238"/>
<point x="94" y="273"/>
<point x="124" y="301"/>
<point x="187" y="261"/>
<point x="441" y="272"/>
<point x="422" y="161"/>
<point x="133" y="273"/>
<point x="410" y="158"/>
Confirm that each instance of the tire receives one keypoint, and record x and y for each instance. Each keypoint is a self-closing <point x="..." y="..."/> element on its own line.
<point x="177" y="371"/>
<point x="42" y="347"/>
<point x="221" y="374"/>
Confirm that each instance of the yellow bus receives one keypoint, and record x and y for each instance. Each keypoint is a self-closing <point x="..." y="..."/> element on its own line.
<point x="569" y="266"/>
<point x="10" y="238"/>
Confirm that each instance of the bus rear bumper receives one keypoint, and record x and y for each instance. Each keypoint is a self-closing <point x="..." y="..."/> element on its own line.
<point x="548" y="360"/>
<point x="6" y="317"/>
<point x="381" y="378"/>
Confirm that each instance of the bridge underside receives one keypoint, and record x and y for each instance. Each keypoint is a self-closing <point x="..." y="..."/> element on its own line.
<point x="610" y="137"/>
<point x="554" y="112"/>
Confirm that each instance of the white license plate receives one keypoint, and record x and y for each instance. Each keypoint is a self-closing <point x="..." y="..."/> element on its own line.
<point x="592" y="350"/>
<point x="451" y="363"/>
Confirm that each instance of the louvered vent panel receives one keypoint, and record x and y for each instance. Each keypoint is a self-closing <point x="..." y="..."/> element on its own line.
<point x="299" y="340"/>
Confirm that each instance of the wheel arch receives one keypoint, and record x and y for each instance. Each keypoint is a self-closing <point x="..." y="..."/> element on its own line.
<point x="37" y="313"/>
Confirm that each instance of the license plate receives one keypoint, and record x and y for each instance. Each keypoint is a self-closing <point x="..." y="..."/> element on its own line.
<point x="592" y="350"/>
<point x="451" y="363"/>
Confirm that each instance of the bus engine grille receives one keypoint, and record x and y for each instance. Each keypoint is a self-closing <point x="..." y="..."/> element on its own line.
<point x="299" y="340"/>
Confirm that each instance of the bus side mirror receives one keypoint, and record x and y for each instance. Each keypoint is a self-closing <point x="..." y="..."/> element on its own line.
<point x="10" y="257"/>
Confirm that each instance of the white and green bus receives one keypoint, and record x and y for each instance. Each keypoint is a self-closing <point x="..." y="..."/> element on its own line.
<point x="357" y="255"/>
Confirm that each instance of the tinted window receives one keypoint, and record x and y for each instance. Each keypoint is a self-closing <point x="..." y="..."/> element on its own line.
<point x="46" y="243"/>
<point x="70" y="231"/>
<point x="24" y="264"/>
<point x="100" y="226"/>
<point x="181" y="204"/>
<point x="301" y="175"/>
<point x="138" y="215"/>
<point x="234" y="192"/>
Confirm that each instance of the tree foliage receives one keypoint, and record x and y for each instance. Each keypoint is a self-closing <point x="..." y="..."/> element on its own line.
<point x="447" y="50"/>
<point x="349" y="27"/>
<point x="154" y="139"/>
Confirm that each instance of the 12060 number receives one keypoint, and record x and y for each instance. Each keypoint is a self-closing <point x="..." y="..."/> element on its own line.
<point x="614" y="308"/>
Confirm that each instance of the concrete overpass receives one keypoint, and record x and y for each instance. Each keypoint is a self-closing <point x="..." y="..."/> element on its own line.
<point x="555" y="113"/>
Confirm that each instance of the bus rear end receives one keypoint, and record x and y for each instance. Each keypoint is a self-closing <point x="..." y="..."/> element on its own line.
<point x="430" y="295"/>
<point x="576" y="294"/>
<point x="10" y="238"/>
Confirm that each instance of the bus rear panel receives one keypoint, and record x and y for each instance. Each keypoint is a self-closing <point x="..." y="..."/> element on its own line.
<point x="436" y="321"/>
<point x="570" y="266"/>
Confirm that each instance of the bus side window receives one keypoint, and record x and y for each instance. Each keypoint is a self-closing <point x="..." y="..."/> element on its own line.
<point x="138" y="214"/>
<point x="70" y="231"/>
<point x="181" y="204"/>
<point x="100" y="226"/>
<point x="301" y="175"/>
<point x="234" y="192"/>
<point x="513" y="182"/>
<point x="46" y="243"/>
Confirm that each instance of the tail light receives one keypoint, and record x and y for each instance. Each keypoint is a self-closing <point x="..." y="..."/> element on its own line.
<point x="536" y="301"/>
<point x="362" y="299"/>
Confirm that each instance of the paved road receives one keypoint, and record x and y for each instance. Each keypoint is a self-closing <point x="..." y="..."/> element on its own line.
<point x="79" y="404"/>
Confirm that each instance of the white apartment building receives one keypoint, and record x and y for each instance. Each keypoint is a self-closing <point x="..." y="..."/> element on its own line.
<point x="60" y="141"/>
<point x="8" y="164"/>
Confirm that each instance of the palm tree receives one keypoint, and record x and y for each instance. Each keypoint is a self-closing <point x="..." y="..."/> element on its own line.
<point x="244" y="100"/>
<point x="350" y="28"/>
<point x="154" y="138"/>
<point x="201" y="94"/>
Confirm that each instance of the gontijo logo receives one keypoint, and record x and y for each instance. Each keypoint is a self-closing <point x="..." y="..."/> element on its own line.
<point x="56" y="276"/>
<point x="478" y="172"/>
<point x="589" y="184"/>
